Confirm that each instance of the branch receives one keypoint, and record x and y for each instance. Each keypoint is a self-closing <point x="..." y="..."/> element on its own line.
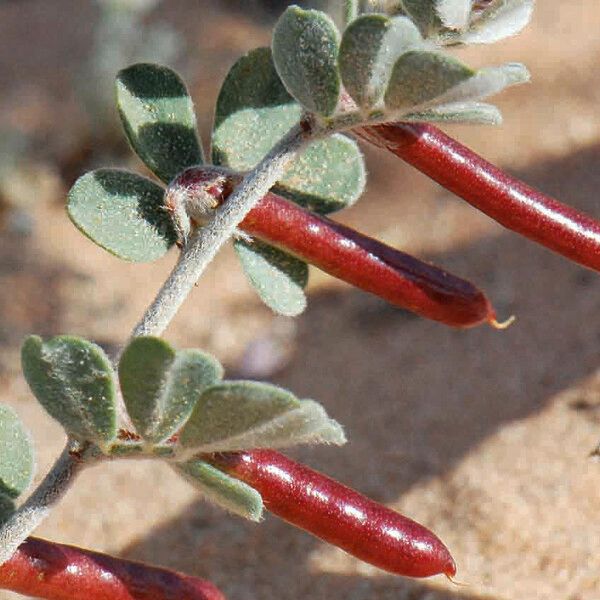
<point x="206" y="241"/>
<point x="58" y="572"/>
<point x="48" y="493"/>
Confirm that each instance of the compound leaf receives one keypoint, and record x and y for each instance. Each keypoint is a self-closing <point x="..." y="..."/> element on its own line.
<point x="158" y="117"/>
<point x="160" y="386"/>
<point x="222" y="489"/>
<point x="74" y="381"/>
<point x="254" y="111"/>
<point x="123" y="213"/>
<point x="305" y="48"/>
<point x="278" y="277"/>
<point x="16" y="458"/>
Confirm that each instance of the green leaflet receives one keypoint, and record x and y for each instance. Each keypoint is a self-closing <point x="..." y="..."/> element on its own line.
<point x="123" y="213"/>
<point x="224" y="490"/>
<point x="278" y="277"/>
<point x="305" y="47"/>
<point x="254" y="111"/>
<point x="370" y="46"/>
<point x="421" y="76"/>
<point x="240" y="415"/>
<point x="74" y="381"/>
<point x="16" y="459"/>
<point x="160" y="386"/>
<point x="423" y="13"/>
<point x="158" y="117"/>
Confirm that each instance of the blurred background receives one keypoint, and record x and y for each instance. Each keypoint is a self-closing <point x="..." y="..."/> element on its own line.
<point x="482" y="435"/>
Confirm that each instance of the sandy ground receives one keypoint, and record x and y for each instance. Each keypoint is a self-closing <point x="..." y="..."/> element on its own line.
<point x="482" y="435"/>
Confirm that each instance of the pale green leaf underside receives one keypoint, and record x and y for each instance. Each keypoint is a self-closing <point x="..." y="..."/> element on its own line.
<point x="246" y="414"/>
<point x="460" y="112"/>
<point x="123" y="213"/>
<point x="16" y="458"/>
<point x="74" y="381"/>
<point x="500" y="20"/>
<point x="305" y="48"/>
<point x="370" y="45"/>
<point x="232" y="408"/>
<point x="278" y="277"/>
<point x="454" y="13"/>
<point x="160" y="386"/>
<point x="254" y="111"/>
<point x="421" y="76"/>
<point x="222" y="489"/>
<point x="158" y="117"/>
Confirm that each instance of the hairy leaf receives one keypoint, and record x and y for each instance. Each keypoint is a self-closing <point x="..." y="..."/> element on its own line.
<point x="246" y="414"/>
<point x="222" y="489"/>
<point x="454" y="13"/>
<point x="160" y="386"/>
<point x="421" y="76"/>
<point x="158" y="118"/>
<point x="254" y="111"/>
<point x="16" y="458"/>
<point x="486" y="82"/>
<point x="278" y="277"/>
<point x="459" y="112"/>
<point x="370" y="46"/>
<point x="123" y="213"/>
<point x="423" y="13"/>
<point x="305" y="49"/>
<point x="500" y="20"/>
<point x="74" y="381"/>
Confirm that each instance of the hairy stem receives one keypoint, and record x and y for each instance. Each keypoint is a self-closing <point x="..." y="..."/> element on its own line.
<point x="205" y="242"/>
<point x="48" y="493"/>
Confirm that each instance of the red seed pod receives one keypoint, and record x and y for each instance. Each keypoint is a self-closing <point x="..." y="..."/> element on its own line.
<point x="342" y="252"/>
<point x="505" y="199"/>
<point x="364" y="262"/>
<point x="339" y="515"/>
<point x="57" y="572"/>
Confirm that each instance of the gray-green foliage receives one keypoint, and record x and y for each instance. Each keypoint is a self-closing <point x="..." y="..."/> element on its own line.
<point x="254" y="110"/>
<point x="278" y="277"/>
<point x="161" y="386"/>
<point x="222" y="489"/>
<point x="16" y="458"/>
<point x="123" y="213"/>
<point x="370" y="45"/>
<point x="158" y="117"/>
<point x="421" y="76"/>
<point x="305" y="47"/>
<point x="74" y="381"/>
<point x="239" y="415"/>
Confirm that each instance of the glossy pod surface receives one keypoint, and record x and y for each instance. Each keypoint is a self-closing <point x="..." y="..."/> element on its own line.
<point x="58" y="572"/>
<point x="505" y="199"/>
<point x="339" y="515"/>
<point x="368" y="264"/>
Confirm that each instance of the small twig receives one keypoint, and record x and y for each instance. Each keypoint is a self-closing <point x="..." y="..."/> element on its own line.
<point x="206" y="241"/>
<point x="38" y="506"/>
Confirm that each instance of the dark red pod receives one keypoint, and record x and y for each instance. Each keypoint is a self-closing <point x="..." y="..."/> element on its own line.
<point x="58" y="572"/>
<point x="364" y="262"/>
<point x="505" y="199"/>
<point x="339" y="515"/>
<point x="339" y="250"/>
